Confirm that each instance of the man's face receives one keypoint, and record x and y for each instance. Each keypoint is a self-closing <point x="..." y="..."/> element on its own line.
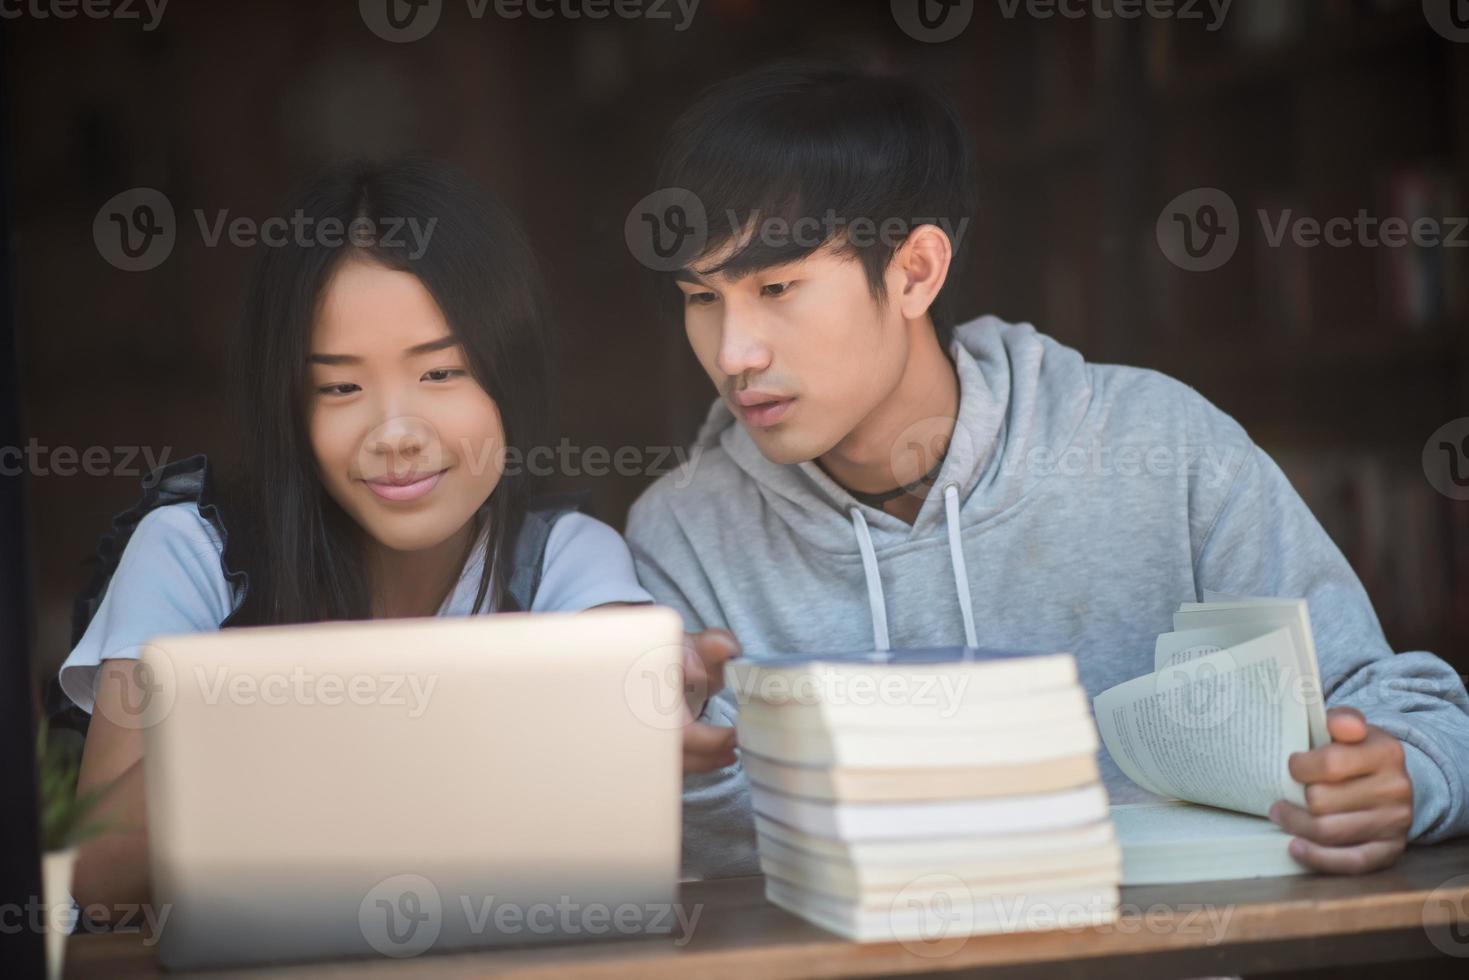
<point x="801" y="353"/>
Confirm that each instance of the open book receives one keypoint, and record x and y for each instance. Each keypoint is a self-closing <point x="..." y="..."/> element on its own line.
<point x="1234" y="691"/>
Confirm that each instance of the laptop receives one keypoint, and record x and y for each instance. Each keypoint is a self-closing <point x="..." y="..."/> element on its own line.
<point x="396" y="787"/>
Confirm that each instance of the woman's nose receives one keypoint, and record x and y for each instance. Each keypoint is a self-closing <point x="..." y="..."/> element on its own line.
<point x="403" y="436"/>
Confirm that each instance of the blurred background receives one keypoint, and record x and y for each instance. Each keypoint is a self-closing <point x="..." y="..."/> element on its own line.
<point x="1096" y="136"/>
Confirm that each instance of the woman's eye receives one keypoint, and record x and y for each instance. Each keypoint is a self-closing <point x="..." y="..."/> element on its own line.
<point x="775" y="288"/>
<point x="442" y="374"/>
<point x="337" y="389"/>
<point x="699" y="299"/>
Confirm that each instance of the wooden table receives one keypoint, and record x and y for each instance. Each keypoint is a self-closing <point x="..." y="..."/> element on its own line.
<point x="1417" y="909"/>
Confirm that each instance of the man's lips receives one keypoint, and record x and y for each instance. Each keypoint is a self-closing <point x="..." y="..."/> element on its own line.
<point x="391" y="488"/>
<point x="763" y="414"/>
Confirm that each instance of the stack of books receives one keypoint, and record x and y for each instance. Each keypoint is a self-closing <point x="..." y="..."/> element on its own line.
<point x="924" y="795"/>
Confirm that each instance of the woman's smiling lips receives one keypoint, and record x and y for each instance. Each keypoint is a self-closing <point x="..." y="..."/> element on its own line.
<point x="389" y="488"/>
<point x="760" y="409"/>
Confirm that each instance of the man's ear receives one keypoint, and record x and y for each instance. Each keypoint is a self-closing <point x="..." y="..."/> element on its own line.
<point x="920" y="267"/>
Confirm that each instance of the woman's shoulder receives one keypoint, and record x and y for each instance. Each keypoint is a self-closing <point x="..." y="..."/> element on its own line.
<point x="168" y="579"/>
<point x="586" y="563"/>
<point x="173" y="552"/>
<point x="575" y="530"/>
<point x="173" y="526"/>
<point x="171" y="546"/>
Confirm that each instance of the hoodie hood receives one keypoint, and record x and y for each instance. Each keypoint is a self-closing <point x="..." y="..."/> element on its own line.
<point x="1003" y="419"/>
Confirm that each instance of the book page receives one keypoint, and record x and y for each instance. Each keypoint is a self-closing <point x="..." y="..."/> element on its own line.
<point x="1266" y="614"/>
<point x="1184" y="823"/>
<point x="1217" y="729"/>
<point x="1182" y="646"/>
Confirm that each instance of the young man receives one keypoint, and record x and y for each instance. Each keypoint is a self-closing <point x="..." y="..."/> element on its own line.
<point x="869" y="477"/>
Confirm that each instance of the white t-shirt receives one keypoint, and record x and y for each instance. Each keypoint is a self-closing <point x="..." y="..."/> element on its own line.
<point x="169" y="579"/>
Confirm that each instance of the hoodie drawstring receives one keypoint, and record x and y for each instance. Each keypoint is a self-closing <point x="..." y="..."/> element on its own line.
<point x="956" y="559"/>
<point x="877" y="604"/>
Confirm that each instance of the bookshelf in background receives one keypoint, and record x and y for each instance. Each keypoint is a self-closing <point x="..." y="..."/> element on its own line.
<point x="1340" y="361"/>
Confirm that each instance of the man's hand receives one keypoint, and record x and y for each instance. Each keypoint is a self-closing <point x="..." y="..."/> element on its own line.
<point x="1359" y="799"/>
<point x="706" y="747"/>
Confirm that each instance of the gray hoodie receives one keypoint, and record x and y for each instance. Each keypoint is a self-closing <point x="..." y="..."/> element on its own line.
<point x="1077" y="506"/>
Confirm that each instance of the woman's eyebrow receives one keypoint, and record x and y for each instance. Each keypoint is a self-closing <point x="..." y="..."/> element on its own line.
<point x="443" y="343"/>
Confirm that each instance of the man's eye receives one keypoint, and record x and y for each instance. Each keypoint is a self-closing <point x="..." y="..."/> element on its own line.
<point x="337" y="389"/>
<point x="775" y="288"/>
<point x="442" y="374"/>
<point x="700" y="299"/>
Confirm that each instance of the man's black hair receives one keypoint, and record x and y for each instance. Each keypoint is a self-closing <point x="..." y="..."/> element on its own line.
<point x="802" y="140"/>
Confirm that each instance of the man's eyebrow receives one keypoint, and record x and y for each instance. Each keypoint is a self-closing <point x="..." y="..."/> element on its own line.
<point x="443" y="343"/>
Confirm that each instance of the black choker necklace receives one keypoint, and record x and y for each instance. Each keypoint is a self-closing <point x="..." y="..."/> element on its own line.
<point x="924" y="482"/>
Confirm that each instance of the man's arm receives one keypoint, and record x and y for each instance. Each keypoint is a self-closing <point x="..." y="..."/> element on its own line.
<point x="1412" y="712"/>
<point x="709" y="645"/>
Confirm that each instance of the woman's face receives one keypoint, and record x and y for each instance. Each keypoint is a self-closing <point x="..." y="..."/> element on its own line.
<point x="405" y="439"/>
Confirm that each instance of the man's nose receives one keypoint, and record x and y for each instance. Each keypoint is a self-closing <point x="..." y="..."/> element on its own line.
<point x="742" y="345"/>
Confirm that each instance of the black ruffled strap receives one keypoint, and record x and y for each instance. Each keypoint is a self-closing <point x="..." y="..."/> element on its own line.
<point x="181" y="480"/>
<point x="530" y="545"/>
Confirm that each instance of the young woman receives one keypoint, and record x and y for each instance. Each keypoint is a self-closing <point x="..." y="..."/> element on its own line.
<point x="391" y="370"/>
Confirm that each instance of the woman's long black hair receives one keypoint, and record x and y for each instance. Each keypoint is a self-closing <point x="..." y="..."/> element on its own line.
<point x="301" y="552"/>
